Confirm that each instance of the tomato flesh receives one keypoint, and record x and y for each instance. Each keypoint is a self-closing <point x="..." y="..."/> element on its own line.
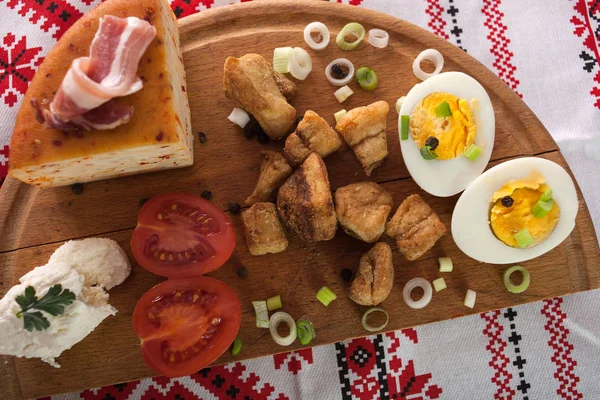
<point x="180" y="234"/>
<point x="184" y="325"/>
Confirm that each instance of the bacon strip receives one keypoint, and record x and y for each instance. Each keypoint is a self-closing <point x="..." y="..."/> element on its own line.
<point x="83" y="100"/>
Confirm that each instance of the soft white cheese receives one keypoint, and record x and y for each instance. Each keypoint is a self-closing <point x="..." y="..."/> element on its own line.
<point x="79" y="319"/>
<point x="100" y="260"/>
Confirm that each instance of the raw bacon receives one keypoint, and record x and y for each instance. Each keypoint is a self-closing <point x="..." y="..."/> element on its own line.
<point x="83" y="100"/>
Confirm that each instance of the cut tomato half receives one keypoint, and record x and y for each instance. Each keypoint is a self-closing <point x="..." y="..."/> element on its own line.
<point x="186" y="324"/>
<point x="180" y="234"/>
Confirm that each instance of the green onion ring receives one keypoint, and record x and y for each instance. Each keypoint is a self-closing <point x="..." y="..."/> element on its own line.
<point x="306" y="331"/>
<point x="374" y="328"/>
<point x="355" y="28"/>
<point x="511" y="287"/>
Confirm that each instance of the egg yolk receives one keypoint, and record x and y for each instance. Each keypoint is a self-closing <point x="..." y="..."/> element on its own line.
<point x="506" y="221"/>
<point x="454" y="133"/>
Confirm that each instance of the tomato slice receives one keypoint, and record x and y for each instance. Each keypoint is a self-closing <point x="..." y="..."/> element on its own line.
<point x="180" y="234"/>
<point x="186" y="324"/>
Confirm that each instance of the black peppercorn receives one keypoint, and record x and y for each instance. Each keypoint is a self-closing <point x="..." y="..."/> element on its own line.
<point x="507" y="201"/>
<point x="346" y="274"/>
<point x="77" y="188"/>
<point x="337" y="72"/>
<point x="202" y="137"/>
<point x="242" y="272"/>
<point x="234" y="208"/>
<point x="206" y="194"/>
<point x="432" y="142"/>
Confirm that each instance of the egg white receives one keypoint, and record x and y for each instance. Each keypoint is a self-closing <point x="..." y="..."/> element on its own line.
<point x="445" y="178"/>
<point x="470" y="220"/>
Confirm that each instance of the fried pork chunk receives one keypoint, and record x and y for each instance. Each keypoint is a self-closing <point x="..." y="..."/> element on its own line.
<point x="304" y="202"/>
<point x="363" y="128"/>
<point x="312" y="134"/>
<point x="363" y="209"/>
<point x="264" y="233"/>
<point x="262" y="92"/>
<point x="374" y="278"/>
<point x="274" y="170"/>
<point x="415" y="227"/>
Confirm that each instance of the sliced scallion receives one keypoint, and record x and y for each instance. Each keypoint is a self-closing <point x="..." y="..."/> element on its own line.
<point x="274" y="303"/>
<point x="547" y="195"/>
<point x="520" y="288"/>
<point x="281" y="59"/>
<point x="470" y="298"/>
<point x="338" y="115"/>
<point x="306" y="331"/>
<point x="404" y="120"/>
<point x="473" y="152"/>
<point x="343" y="93"/>
<point x="427" y="154"/>
<point x="353" y="28"/>
<point x="237" y="347"/>
<point x="439" y="284"/>
<point x="325" y="296"/>
<point x="443" y="110"/>
<point x="274" y="322"/>
<point x="445" y="264"/>
<point x="367" y="78"/>
<point x="542" y="208"/>
<point x="262" y="314"/>
<point x="523" y="238"/>
<point x="370" y="328"/>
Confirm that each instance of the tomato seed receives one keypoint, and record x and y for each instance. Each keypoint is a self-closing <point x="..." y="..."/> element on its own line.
<point x="215" y="321"/>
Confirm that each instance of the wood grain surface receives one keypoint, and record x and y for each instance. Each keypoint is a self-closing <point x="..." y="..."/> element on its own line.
<point x="34" y="222"/>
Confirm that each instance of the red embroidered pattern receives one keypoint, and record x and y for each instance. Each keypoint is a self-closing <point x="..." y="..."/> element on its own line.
<point x="561" y="357"/>
<point x="497" y="35"/>
<point x="436" y="22"/>
<point x="57" y="13"/>
<point x="583" y="28"/>
<point x="3" y="162"/>
<point x="17" y="67"/>
<point x="294" y="360"/>
<point x="499" y="362"/>
<point x="120" y="391"/>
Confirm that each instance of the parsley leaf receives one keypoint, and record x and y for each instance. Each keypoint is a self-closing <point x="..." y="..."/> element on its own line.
<point x="53" y="302"/>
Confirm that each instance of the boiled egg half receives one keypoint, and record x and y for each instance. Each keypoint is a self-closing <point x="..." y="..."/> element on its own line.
<point x="451" y="130"/>
<point x="515" y="211"/>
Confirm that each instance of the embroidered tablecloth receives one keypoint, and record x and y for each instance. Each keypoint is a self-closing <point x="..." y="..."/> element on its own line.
<point x="548" y="53"/>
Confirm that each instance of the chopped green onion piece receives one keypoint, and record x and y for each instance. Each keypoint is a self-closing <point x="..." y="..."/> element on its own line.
<point x="374" y="328"/>
<point x="523" y="238"/>
<point x="427" y="154"/>
<point x="352" y="28"/>
<point x="262" y="315"/>
<point x="287" y="319"/>
<point x="343" y="93"/>
<point x="542" y="208"/>
<point x="326" y="296"/>
<point x="439" y="284"/>
<point x="404" y="120"/>
<point x="473" y="152"/>
<point x="367" y="78"/>
<point x="274" y="303"/>
<point x="547" y="195"/>
<point x="511" y="287"/>
<point x="306" y="331"/>
<point x="281" y="59"/>
<point x="443" y="110"/>
<point x="237" y="347"/>
<point x="445" y="264"/>
<point x="338" y="115"/>
<point x="470" y="298"/>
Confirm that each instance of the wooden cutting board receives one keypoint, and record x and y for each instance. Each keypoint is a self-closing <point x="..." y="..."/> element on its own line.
<point x="34" y="222"/>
